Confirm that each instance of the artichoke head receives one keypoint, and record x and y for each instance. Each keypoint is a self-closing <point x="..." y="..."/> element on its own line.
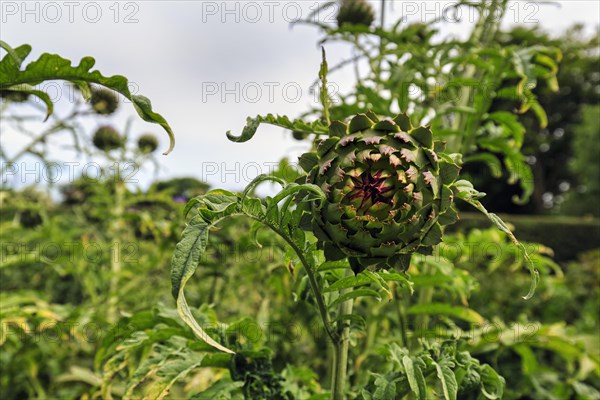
<point x="389" y="191"/>
<point x="355" y="12"/>
<point x="147" y="143"/>
<point x="106" y="138"/>
<point x="104" y="101"/>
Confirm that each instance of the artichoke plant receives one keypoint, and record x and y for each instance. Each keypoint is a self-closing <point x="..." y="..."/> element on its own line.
<point x="355" y="12"/>
<point x="104" y="101"/>
<point x="147" y="143"/>
<point x="389" y="190"/>
<point x="107" y="138"/>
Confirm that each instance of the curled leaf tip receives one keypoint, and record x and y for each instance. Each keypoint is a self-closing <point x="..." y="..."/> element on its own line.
<point x="171" y="144"/>
<point x="535" y="277"/>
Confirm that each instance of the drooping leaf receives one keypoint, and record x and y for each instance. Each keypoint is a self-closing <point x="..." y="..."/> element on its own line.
<point x="511" y="123"/>
<point x="492" y="384"/>
<point x="415" y="378"/>
<point x="54" y="67"/>
<point x="219" y="204"/>
<point x="469" y="194"/>
<point x="24" y="88"/>
<point x="186" y="258"/>
<point x="447" y="381"/>
<point x="492" y="162"/>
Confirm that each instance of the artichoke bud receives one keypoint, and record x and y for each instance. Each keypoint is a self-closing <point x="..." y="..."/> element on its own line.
<point x="106" y="138"/>
<point x="355" y="12"/>
<point x="299" y="135"/>
<point x="31" y="218"/>
<point x="104" y="101"/>
<point x="147" y="143"/>
<point x="14" y="96"/>
<point x="389" y="192"/>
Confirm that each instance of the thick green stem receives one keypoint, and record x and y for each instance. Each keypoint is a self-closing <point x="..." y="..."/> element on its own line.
<point x="422" y="320"/>
<point x="312" y="279"/>
<point x="401" y="308"/>
<point x="340" y="352"/>
<point x="340" y="338"/>
<point x="115" y="262"/>
<point x="381" y="39"/>
<point x="483" y="32"/>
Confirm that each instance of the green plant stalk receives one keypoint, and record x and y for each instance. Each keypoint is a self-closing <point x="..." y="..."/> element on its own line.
<point x="469" y="123"/>
<point x="401" y="309"/>
<point x="115" y="262"/>
<point x="340" y="352"/>
<point x="422" y="320"/>
<point x="340" y="338"/>
<point x="213" y="289"/>
<point x="312" y="280"/>
<point x="59" y="126"/>
<point x="483" y="32"/>
<point x="381" y="40"/>
<point x="321" y="305"/>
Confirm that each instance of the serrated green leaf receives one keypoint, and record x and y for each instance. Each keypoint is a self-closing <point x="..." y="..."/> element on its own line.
<point x="252" y="125"/>
<point x="331" y="265"/>
<point x="354" y="295"/>
<point x="415" y="377"/>
<point x="447" y="381"/>
<point x="540" y="113"/>
<point x="54" y="67"/>
<point x="260" y="179"/>
<point x="169" y="373"/>
<point x="492" y="162"/>
<point x="397" y="277"/>
<point x="497" y="221"/>
<point x="24" y="88"/>
<point x="348" y="282"/>
<point x="186" y="258"/>
<point x="14" y="57"/>
<point x="385" y="389"/>
<point x="492" y="384"/>
<point x="223" y="389"/>
<point x="379" y="281"/>
<point x="511" y="122"/>
<point x="293" y="188"/>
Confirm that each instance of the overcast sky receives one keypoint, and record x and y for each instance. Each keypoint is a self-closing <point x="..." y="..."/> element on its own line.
<point x="207" y="65"/>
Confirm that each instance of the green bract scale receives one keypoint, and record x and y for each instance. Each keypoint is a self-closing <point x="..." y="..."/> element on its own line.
<point x="389" y="191"/>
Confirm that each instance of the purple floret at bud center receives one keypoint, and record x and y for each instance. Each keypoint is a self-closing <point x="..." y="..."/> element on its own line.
<point x="369" y="189"/>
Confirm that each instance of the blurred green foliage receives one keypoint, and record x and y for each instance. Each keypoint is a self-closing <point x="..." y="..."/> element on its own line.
<point x="562" y="154"/>
<point x="86" y="310"/>
<point x="584" y="166"/>
<point x="58" y="339"/>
